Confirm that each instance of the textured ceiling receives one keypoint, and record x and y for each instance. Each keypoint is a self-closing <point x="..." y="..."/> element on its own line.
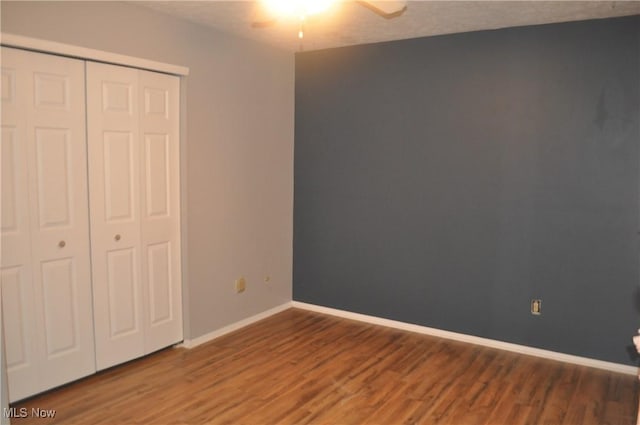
<point x="349" y="23"/>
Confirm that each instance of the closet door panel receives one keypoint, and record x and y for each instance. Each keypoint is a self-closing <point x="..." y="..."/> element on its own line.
<point x="56" y="148"/>
<point x="47" y="231"/>
<point x="160" y="199"/>
<point x="114" y="168"/>
<point x="18" y="304"/>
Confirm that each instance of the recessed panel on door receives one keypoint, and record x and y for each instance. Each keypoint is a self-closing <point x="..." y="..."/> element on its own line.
<point x="156" y="102"/>
<point x="118" y="175"/>
<point x="60" y="312"/>
<point x="19" y="324"/>
<point x="117" y="97"/>
<point x="14" y="300"/>
<point x="54" y="176"/>
<point x="9" y="180"/>
<point x="123" y="292"/>
<point x="51" y="91"/>
<point x="8" y="86"/>
<point x="160" y="282"/>
<point x="157" y="174"/>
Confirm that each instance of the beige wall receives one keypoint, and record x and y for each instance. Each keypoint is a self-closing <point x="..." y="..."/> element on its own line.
<point x="239" y="147"/>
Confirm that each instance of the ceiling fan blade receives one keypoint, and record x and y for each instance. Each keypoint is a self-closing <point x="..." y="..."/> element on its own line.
<point x="264" y="24"/>
<point x="262" y="16"/>
<point x="386" y="9"/>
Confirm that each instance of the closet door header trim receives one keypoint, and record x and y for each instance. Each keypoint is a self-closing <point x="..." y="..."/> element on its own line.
<point x="62" y="49"/>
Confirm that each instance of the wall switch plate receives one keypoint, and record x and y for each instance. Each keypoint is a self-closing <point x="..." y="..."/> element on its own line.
<point x="241" y="284"/>
<point x="536" y="307"/>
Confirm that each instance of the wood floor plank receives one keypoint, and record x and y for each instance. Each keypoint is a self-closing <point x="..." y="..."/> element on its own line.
<point x="299" y="367"/>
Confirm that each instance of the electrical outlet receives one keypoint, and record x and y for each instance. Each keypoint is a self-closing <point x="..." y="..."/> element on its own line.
<point x="241" y="285"/>
<point x="536" y="307"/>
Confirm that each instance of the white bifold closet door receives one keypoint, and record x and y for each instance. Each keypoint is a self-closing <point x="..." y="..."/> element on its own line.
<point x="45" y="270"/>
<point x="133" y="122"/>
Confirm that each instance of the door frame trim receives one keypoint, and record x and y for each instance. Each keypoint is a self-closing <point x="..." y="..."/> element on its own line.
<point x="85" y="53"/>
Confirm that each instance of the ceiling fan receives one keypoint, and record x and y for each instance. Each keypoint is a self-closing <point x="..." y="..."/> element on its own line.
<point x="301" y="9"/>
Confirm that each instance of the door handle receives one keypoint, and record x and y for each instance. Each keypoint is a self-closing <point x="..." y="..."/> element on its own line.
<point x="116" y="237"/>
<point x="62" y="244"/>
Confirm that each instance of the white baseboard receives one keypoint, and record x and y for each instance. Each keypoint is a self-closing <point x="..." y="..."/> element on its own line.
<point x="191" y="343"/>
<point x="471" y="339"/>
<point x="516" y="348"/>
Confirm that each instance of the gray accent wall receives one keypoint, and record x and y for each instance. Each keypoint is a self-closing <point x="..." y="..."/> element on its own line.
<point x="237" y="153"/>
<point x="447" y="181"/>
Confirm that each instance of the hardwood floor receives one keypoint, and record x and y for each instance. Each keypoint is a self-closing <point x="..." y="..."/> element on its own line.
<point x="302" y="367"/>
